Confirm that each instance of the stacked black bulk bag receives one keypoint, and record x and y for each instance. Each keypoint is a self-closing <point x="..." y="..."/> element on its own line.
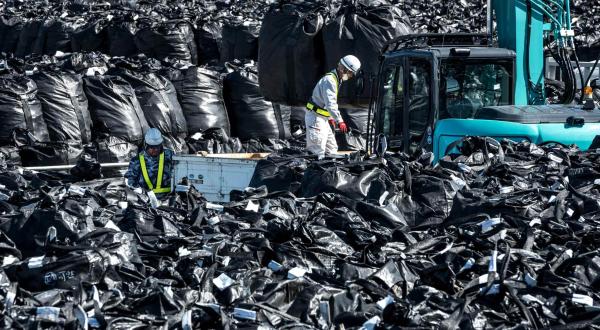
<point x="20" y="108"/>
<point x="208" y="40"/>
<point x="172" y="39"/>
<point x="28" y="37"/>
<point x="121" y="37"/>
<point x="158" y="99"/>
<point x="356" y="119"/>
<point x="251" y="116"/>
<point x="10" y="29"/>
<point x="361" y="28"/>
<point x="55" y="35"/>
<point x="64" y="105"/>
<point x="114" y="108"/>
<point x="92" y="36"/>
<point x="200" y="94"/>
<point x="290" y="53"/>
<point x="240" y="40"/>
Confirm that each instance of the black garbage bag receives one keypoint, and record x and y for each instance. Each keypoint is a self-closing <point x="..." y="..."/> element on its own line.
<point x="251" y="116"/>
<point x="87" y="168"/>
<point x="20" y="108"/>
<point x="200" y="94"/>
<point x="114" y="108"/>
<point x="121" y="37"/>
<point x="171" y="39"/>
<point x="10" y="29"/>
<point x="351" y="141"/>
<point x="208" y="40"/>
<point x="214" y="141"/>
<point x="353" y="182"/>
<point x="28" y="37"/>
<point x="361" y="29"/>
<point x="64" y="105"/>
<point x="240" y="41"/>
<point x="55" y="35"/>
<point x="50" y="153"/>
<point x="297" y="119"/>
<point x="112" y="150"/>
<point x="158" y="100"/>
<point x="150" y="225"/>
<point x="356" y="118"/>
<point x="92" y="36"/>
<point x="65" y="272"/>
<point x="290" y="53"/>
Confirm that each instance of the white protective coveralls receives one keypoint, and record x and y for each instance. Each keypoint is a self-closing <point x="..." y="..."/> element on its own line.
<point x="320" y="138"/>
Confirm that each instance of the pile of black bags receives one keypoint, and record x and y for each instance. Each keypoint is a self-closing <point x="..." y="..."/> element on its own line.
<point x="500" y="235"/>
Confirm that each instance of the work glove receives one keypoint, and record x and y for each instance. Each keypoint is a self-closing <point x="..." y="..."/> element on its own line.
<point x="138" y="190"/>
<point x="343" y="127"/>
<point x="332" y="123"/>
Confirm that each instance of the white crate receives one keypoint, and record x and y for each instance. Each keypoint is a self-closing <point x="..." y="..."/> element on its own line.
<point x="216" y="175"/>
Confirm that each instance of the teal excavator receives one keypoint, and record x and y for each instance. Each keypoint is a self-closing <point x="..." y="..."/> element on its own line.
<point x="434" y="89"/>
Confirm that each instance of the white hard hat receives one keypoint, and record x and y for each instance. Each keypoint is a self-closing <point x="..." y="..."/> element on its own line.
<point x="153" y="137"/>
<point x="351" y="63"/>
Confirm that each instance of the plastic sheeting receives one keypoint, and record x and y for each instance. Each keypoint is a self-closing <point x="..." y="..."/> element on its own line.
<point x="114" y="108"/>
<point x="250" y="114"/>
<point x="200" y="93"/>
<point x="20" y="108"/>
<point x="64" y="105"/>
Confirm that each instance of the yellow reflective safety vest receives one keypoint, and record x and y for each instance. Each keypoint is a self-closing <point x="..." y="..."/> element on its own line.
<point x="159" y="189"/>
<point x="320" y="111"/>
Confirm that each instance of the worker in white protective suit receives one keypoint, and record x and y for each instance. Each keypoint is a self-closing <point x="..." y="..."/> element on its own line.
<point x="323" y="108"/>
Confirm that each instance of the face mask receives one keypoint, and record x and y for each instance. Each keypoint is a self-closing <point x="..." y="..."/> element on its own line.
<point x="345" y="77"/>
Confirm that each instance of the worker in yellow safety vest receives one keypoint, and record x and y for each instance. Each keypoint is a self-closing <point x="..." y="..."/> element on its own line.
<point x="323" y="108"/>
<point x="151" y="169"/>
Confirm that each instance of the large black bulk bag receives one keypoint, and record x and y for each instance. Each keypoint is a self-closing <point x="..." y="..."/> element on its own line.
<point x="208" y="40"/>
<point x="28" y="37"/>
<point x="171" y="39"/>
<point x="361" y="30"/>
<point x="158" y="99"/>
<point x="20" y="108"/>
<point x="10" y="29"/>
<point x="200" y="94"/>
<point x="240" y="41"/>
<point x="64" y="105"/>
<point x="121" y="38"/>
<point x="356" y="118"/>
<point x="290" y="54"/>
<point x="114" y="108"/>
<point x="90" y="37"/>
<point x="55" y="35"/>
<point x="251" y="116"/>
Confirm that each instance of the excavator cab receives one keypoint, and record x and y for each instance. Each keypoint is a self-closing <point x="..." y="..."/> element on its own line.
<point x="420" y="86"/>
<point x="431" y="96"/>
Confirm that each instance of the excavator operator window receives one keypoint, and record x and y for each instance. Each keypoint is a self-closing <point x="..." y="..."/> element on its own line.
<point x="419" y="100"/>
<point x="392" y="105"/>
<point x="469" y="85"/>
